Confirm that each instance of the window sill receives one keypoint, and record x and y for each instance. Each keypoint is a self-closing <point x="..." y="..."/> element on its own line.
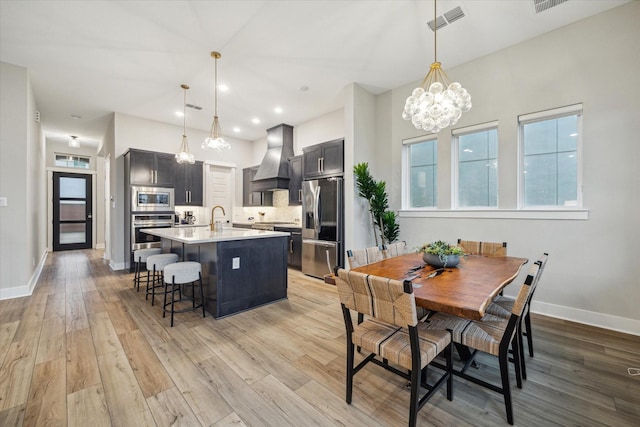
<point x="551" y="214"/>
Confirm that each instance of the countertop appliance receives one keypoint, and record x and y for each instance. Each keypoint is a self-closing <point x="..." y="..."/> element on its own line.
<point x="322" y="226"/>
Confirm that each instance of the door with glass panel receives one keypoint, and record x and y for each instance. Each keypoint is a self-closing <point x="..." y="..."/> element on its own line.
<point x="72" y="211"/>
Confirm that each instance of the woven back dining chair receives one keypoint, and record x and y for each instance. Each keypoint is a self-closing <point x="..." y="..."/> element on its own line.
<point x="394" y="249"/>
<point x="392" y="334"/>
<point x="360" y="257"/>
<point x="493" y="248"/>
<point x="492" y="335"/>
<point x="469" y="247"/>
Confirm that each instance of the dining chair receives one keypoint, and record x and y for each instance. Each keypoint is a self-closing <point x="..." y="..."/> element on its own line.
<point x="394" y="249"/>
<point x="469" y="247"/>
<point x="492" y="335"/>
<point x="392" y="334"/>
<point x="361" y="257"/>
<point x="502" y="306"/>
<point x="493" y="248"/>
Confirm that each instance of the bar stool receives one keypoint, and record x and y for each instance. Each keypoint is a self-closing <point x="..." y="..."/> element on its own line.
<point x="176" y="275"/>
<point x="140" y="256"/>
<point x="156" y="264"/>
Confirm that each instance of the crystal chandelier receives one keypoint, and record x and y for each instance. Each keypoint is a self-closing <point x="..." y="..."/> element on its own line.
<point x="215" y="139"/>
<point x="184" y="156"/>
<point x="436" y="104"/>
<point x="73" y="142"/>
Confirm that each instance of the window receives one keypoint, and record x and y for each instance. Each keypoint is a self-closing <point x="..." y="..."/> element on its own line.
<point x="476" y="151"/>
<point x="69" y="161"/>
<point x="550" y="163"/>
<point x="422" y="160"/>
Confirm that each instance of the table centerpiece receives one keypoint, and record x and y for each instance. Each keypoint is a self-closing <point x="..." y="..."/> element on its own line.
<point x="441" y="254"/>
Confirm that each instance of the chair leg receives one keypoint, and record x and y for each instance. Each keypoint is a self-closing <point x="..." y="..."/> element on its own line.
<point x="517" y="359"/>
<point x="153" y="287"/>
<point x="523" y="368"/>
<point x="506" y="391"/>
<point x="413" y="405"/>
<point x="527" y="324"/>
<point x="350" y="351"/>
<point x="146" y="296"/>
<point x="202" y="296"/>
<point x="173" y="293"/>
<point x="448" y="354"/>
<point x="164" y="303"/>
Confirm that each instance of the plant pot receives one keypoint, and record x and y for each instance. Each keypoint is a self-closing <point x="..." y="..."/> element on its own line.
<point x="446" y="261"/>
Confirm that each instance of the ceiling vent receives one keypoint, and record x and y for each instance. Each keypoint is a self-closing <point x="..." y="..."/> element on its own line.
<point x="542" y="5"/>
<point x="37" y="116"/>
<point x="447" y="18"/>
<point x="195" y="107"/>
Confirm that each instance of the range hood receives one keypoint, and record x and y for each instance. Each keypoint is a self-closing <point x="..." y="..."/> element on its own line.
<point x="273" y="172"/>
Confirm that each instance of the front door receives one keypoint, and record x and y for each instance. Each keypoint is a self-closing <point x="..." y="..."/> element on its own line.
<point x="72" y="211"/>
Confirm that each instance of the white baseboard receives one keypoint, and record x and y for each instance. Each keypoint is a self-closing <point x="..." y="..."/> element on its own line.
<point x="26" y="290"/>
<point x="117" y="265"/>
<point x="601" y="320"/>
<point x="100" y="245"/>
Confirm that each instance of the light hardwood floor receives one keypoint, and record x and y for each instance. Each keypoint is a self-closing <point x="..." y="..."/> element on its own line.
<point x="87" y="350"/>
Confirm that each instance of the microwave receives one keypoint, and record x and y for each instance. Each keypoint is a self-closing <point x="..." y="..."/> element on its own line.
<point x="145" y="199"/>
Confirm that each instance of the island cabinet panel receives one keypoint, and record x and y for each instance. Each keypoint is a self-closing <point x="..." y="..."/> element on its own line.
<point x="260" y="277"/>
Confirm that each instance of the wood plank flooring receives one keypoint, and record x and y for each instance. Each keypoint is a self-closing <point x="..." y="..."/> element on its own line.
<point x="87" y="350"/>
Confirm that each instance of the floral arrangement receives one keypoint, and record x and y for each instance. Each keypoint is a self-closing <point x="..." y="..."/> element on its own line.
<point x="442" y="250"/>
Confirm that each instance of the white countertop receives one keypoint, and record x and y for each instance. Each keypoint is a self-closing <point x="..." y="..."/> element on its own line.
<point x="194" y="235"/>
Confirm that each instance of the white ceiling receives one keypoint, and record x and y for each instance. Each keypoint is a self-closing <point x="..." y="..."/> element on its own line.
<point x="92" y="58"/>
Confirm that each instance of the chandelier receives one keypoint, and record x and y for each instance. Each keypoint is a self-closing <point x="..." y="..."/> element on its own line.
<point x="215" y="139"/>
<point x="184" y="156"/>
<point x="436" y="104"/>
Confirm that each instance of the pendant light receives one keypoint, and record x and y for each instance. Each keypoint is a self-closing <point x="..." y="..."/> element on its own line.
<point x="184" y="156"/>
<point x="73" y="142"/>
<point x="436" y="104"/>
<point x="215" y="139"/>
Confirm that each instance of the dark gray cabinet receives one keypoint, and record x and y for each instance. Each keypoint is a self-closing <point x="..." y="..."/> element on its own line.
<point x="151" y="168"/>
<point x="295" y="181"/>
<point x="323" y="160"/>
<point x="188" y="184"/>
<point x="295" y="246"/>
<point x="250" y="197"/>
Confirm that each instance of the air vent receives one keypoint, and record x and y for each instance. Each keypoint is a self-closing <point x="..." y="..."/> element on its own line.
<point x="447" y="18"/>
<point x="195" y="107"/>
<point x="37" y="116"/>
<point x="542" y="5"/>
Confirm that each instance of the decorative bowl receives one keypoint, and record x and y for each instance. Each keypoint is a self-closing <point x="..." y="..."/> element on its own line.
<point x="446" y="261"/>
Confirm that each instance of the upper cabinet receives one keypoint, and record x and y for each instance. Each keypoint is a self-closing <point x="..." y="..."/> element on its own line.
<point x="323" y="160"/>
<point x="151" y="168"/>
<point x="189" y="184"/>
<point x="295" y="181"/>
<point x="250" y="197"/>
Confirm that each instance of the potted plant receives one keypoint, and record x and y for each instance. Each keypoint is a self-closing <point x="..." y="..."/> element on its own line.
<point x="441" y="254"/>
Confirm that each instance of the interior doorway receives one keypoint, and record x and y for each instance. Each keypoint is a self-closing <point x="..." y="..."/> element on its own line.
<point x="72" y="211"/>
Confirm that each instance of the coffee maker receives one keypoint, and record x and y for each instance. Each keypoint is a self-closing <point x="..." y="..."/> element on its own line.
<point x="189" y="218"/>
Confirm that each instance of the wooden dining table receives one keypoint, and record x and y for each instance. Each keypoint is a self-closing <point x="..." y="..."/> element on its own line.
<point x="465" y="290"/>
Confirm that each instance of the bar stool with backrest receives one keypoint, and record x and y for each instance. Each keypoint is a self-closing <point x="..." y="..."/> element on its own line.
<point x="177" y="275"/>
<point x="492" y="335"/>
<point x="156" y="264"/>
<point x="392" y="334"/>
<point x="139" y="257"/>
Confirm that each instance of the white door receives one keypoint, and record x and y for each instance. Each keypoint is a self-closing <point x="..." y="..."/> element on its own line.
<point x="219" y="190"/>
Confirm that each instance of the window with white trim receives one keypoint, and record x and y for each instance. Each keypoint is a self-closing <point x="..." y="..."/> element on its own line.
<point x="550" y="158"/>
<point x="476" y="166"/>
<point x="421" y="158"/>
<point x="70" y="161"/>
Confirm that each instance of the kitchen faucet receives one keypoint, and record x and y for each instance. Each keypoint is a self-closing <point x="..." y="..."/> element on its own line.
<point x="212" y="225"/>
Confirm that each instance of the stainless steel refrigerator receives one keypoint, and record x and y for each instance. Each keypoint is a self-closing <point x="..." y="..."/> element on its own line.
<point x="322" y="226"/>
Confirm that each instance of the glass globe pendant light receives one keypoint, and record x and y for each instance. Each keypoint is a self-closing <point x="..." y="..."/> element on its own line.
<point x="184" y="156"/>
<point x="215" y="139"/>
<point x="436" y="104"/>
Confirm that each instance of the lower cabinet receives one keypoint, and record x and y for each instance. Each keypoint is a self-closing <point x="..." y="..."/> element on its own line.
<point x="295" y="246"/>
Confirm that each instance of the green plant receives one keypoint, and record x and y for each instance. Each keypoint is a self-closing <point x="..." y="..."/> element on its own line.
<point x="375" y="193"/>
<point x="442" y="249"/>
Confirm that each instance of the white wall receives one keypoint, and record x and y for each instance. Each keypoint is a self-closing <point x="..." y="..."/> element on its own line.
<point x="592" y="274"/>
<point x="22" y="182"/>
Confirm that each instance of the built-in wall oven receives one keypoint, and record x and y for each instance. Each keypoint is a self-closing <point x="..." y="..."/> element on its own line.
<point x="142" y="221"/>
<point x="151" y="199"/>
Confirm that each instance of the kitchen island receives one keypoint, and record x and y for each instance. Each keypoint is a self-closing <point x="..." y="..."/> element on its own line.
<point x="241" y="269"/>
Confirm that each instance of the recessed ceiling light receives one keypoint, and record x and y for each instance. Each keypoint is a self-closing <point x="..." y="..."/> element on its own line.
<point x="223" y="87"/>
<point x="76" y="117"/>
<point x="236" y="130"/>
<point x="278" y="110"/>
<point x="303" y="88"/>
<point x="179" y="113"/>
<point x="255" y="121"/>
